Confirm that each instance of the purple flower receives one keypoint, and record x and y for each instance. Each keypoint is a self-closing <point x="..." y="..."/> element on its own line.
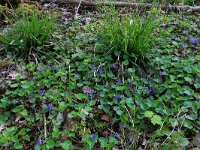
<point x="185" y="46"/>
<point x="7" y="144"/>
<point x="52" y="67"/>
<point x="161" y="74"/>
<point x="41" y="92"/>
<point x="114" y="66"/>
<point x="100" y="71"/>
<point x="120" y="96"/>
<point x="153" y="88"/>
<point x="94" y="137"/>
<point x="17" y="102"/>
<point x="41" y="70"/>
<point x="117" y="135"/>
<point x="185" y="32"/>
<point x="91" y="93"/>
<point x="193" y="40"/>
<point x="76" y="76"/>
<point x="115" y="97"/>
<point x="45" y="106"/>
<point x="39" y="141"/>
<point x="93" y="67"/>
<point x="49" y="107"/>
<point x="119" y="81"/>
<point x="148" y="91"/>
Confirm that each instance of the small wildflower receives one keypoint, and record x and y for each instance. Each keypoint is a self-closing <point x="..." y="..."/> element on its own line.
<point x="114" y="66"/>
<point x="88" y="20"/>
<point x="52" y="67"/>
<point x="129" y="81"/>
<point x="76" y="76"/>
<point x="41" y="92"/>
<point x="49" y="107"/>
<point x="115" y="97"/>
<point x="161" y="74"/>
<point x="185" y="32"/>
<point x="120" y="96"/>
<point x="39" y="141"/>
<point x="93" y="67"/>
<point x="45" y="106"/>
<point x="94" y="137"/>
<point x="185" y="46"/>
<point x="100" y="71"/>
<point x="41" y="70"/>
<point x="153" y="88"/>
<point x="17" y="102"/>
<point x="91" y="93"/>
<point x="119" y="81"/>
<point x="148" y="91"/>
<point x="193" y="40"/>
<point x="117" y="135"/>
<point x="7" y="144"/>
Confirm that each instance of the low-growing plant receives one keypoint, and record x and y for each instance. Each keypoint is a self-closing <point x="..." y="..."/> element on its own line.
<point x="28" y="36"/>
<point x="130" y="36"/>
<point x="28" y="10"/>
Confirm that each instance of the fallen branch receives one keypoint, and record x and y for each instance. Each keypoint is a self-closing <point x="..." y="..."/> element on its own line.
<point x="132" y="5"/>
<point x="78" y="8"/>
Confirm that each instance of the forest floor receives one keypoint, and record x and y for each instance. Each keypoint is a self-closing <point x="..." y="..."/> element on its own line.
<point x="74" y="97"/>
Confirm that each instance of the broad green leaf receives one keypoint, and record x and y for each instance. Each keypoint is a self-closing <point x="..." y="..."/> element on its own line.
<point x="148" y="114"/>
<point x="50" y="143"/>
<point x="188" y="79"/>
<point x="184" y="142"/>
<point x="156" y="119"/>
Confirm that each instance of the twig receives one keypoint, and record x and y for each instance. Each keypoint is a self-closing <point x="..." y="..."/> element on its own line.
<point x="78" y="8"/>
<point x="45" y="127"/>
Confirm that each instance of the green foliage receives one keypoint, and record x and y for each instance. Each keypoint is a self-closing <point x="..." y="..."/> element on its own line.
<point x="129" y="36"/>
<point x="27" y="10"/>
<point x="28" y="36"/>
<point x="89" y="101"/>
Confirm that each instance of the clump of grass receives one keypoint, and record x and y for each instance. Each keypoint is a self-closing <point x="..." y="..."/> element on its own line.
<point x="130" y="37"/>
<point x="29" y="35"/>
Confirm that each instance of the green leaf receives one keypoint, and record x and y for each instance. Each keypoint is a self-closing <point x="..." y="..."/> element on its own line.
<point x="197" y="85"/>
<point x="126" y="62"/>
<point x="18" y="145"/>
<point x="50" y="143"/>
<point x="188" y="79"/>
<point x="80" y="96"/>
<point x="148" y="114"/>
<point x="123" y="118"/>
<point x="4" y="40"/>
<point x="14" y="85"/>
<point x="119" y="112"/>
<point x="26" y="137"/>
<point x="113" y="140"/>
<point x="183" y="142"/>
<point x="156" y="119"/>
<point x="66" y="145"/>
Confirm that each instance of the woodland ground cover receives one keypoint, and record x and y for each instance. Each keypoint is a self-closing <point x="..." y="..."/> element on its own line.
<point x="78" y="90"/>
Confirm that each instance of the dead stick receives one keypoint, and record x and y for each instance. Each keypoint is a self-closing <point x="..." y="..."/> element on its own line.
<point x="126" y="4"/>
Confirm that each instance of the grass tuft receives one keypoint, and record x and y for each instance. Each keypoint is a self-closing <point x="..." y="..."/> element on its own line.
<point x="130" y="36"/>
<point x="29" y="35"/>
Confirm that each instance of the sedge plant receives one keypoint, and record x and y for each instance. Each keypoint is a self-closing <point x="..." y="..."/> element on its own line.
<point x="29" y="35"/>
<point x="130" y="37"/>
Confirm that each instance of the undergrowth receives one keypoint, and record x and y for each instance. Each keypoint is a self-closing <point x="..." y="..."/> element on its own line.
<point x="28" y="37"/>
<point x="129" y="37"/>
<point x="92" y="101"/>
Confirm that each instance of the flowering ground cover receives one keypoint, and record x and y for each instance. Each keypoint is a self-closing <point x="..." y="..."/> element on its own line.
<point x="74" y="92"/>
